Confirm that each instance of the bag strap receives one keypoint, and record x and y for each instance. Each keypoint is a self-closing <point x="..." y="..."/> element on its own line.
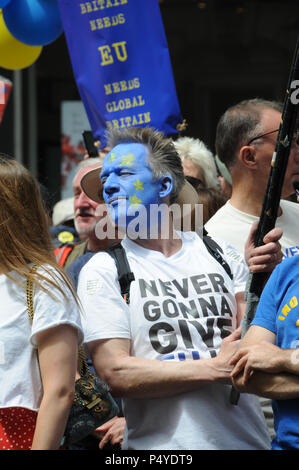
<point x="214" y="249"/>
<point x="125" y="275"/>
<point x="82" y="363"/>
<point x="29" y="295"/>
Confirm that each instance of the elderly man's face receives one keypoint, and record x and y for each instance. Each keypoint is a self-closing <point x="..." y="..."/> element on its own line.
<point x="85" y="208"/>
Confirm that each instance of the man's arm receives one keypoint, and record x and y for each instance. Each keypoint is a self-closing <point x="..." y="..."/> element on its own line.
<point x="275" y="386"/>
<point x="130" y="376"/>
<point x="264" y="369"/>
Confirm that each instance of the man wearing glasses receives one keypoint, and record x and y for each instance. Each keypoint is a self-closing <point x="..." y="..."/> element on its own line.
<point x="245" y="141"/>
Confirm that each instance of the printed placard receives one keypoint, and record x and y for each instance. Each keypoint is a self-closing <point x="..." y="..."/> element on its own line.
<point x="121" y="64"/>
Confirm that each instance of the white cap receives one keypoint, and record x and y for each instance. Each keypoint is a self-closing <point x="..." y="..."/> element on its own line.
<point x="63" y="211"/>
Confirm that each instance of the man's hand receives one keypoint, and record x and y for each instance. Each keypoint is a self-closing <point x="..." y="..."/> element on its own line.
<point x="263" y="258"/>
<point x="263" y="356"/>
<point x="112" y="431"/>
<point x="222" y="362"/>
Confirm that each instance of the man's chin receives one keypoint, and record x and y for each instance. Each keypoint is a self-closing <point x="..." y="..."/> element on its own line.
<point x="84" y="231"/>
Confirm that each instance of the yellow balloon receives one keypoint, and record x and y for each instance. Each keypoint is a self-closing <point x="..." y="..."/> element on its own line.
<point x="15" y="55"/>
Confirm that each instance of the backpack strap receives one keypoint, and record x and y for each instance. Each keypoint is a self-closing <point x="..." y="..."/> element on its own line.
<point x="125" y="275"/>
<point x="214" y="249"/>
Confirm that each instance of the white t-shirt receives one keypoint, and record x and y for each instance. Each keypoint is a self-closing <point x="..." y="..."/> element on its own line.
<point x="180" y="309"/>
<point x="234" y="226"/>
<point x="20" y="381"/>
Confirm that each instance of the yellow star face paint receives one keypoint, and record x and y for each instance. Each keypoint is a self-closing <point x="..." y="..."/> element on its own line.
<point x="134" y="200"/>
<point x="139" y="185"/>
<point x="127" y="160"/>
<point x="112" y="157"/>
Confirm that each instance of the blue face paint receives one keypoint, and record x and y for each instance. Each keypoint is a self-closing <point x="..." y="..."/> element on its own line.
<point x="128" y="185"/>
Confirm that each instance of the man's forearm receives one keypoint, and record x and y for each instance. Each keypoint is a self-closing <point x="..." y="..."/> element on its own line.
<point x="290" y="360"/>
<point x="282" y="386"/>
<point x="142" y="378"/>
<point x="136" y="377"/>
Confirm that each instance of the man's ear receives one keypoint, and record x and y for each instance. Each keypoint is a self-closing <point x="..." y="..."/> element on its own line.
<point x="247" y="156"/>
<point x="166" y="186"/>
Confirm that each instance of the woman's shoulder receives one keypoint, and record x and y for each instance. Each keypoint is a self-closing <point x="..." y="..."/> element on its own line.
<point x="48" y="272"/>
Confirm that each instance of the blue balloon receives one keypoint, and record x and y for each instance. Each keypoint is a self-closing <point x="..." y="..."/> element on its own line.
<point x="3" y="3"/>
<point x="33" y="22"/>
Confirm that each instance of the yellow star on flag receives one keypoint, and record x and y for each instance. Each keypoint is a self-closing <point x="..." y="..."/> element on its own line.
<point x="134" y="200"/>
<point x="138" y="185"/>
<point x="127" y="159"/>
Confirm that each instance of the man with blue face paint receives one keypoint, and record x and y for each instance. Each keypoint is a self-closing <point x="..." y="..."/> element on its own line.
<point x="128" y="184"/>
<point x="133" y="189"/>
<point x="166" y="353"/>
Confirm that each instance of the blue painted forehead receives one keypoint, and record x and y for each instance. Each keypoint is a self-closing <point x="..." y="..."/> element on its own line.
<point x="126" y="152"/>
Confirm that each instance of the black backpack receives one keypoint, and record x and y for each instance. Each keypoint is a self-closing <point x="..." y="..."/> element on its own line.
<point x="125" y="275"/>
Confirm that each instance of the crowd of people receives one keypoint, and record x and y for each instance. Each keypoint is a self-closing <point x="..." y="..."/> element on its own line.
<point x="171" y="350"/>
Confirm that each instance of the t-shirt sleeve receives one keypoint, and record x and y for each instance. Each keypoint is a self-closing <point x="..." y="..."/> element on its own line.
<point x="237" y="265"/>
<point x="266" y="311"/>
<point x="54" y="310"/>
<point x="75" y="267"/>
<point x="106" y="314"/>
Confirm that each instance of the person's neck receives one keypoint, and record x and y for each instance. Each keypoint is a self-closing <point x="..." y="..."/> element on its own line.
<point x="248" y="199"/>
<point x="96" y="245"/>
<point x="168" y="242"/>
<point x="166" y="247"/>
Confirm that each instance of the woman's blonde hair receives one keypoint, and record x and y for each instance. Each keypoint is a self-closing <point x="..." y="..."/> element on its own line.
<point x="24" y="229"/>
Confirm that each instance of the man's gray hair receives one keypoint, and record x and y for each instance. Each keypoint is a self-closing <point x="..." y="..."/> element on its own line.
<point x="238" y="125"/>
<point x="162" y="156"/>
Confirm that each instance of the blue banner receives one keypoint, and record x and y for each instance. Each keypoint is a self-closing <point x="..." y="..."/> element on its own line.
<point x="121" y="64"/>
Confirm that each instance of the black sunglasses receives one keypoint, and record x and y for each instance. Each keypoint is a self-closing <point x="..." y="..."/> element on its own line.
<point x="196" y="182"/>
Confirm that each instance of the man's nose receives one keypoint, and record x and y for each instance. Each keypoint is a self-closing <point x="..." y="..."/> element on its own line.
<point x="83" y="200"/>
<point x="111" y="185"/>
